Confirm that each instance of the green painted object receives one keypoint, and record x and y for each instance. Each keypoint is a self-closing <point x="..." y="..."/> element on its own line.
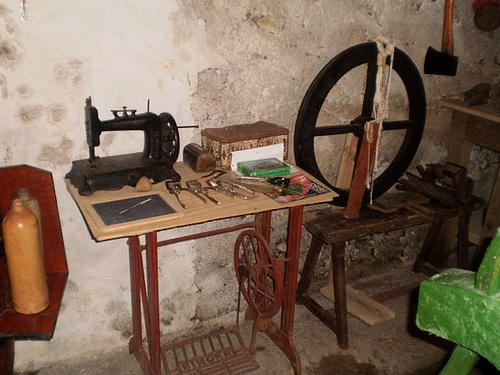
<point x="464" y="308"/>
<point x="462" y="361"/>
<point x="488" y="275"/>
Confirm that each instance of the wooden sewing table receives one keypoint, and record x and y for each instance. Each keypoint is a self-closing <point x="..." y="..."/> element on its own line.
<point x="144" y="278"/>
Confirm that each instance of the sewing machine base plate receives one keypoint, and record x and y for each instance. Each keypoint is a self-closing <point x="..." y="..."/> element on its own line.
<point x="114" y="172"/>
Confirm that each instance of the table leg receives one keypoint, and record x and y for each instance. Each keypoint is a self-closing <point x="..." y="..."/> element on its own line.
<point x="292" y="268"/>
<point x="339" y="289"/>
<point x="263" y="224"/>
<point x="283" y="336"/>
<point x="291" y="279"/>
<point x="7" y="356"/>
<point x="463" y="260"/>
<point x="153" y="300"/>
<point x="145" y="302"/>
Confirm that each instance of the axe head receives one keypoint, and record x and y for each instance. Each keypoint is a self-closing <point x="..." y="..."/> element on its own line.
<point x="440" y="63"/>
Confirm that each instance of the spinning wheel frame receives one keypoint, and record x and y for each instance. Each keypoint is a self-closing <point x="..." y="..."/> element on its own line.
<point x="306" y="130"/>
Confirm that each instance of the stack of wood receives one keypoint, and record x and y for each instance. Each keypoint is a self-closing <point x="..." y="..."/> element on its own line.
<point x="446" y="184"/>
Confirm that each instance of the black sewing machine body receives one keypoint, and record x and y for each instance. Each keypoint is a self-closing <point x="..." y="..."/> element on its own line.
<point x="161" y="149"/>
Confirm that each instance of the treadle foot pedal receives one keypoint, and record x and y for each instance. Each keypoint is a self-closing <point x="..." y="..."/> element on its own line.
<point x="218" y="353"/>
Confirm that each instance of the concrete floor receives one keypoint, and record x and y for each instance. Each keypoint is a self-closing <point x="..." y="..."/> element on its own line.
<point x="395" y="347"/>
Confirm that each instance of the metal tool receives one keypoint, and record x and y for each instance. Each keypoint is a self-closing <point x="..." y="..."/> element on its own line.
<point x="242" y="188"/>
<point x="134" y="206"/>
<point x="215" y="173"/>
<point x="194" y="186"/>
<point x="231" y="187"/>
<point x="225" y="188"/>
<point x="175" y="188"/>
<point x="443" y="62"/>
<point x="205" y="192"/>
<point x="24" y="12"/>
<point x="278" y="181"/>
<point x="195" y="193"/>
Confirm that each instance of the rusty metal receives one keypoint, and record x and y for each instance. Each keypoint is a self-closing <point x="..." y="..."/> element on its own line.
<point x="260" y="277"/>
<point x="216" y="173"/>
<point x="259" y="273"/>
<point x="218" y="353"/>
<point x="145" y="345"/>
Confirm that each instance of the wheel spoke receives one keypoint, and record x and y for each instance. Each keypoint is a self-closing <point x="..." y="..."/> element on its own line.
<point x="334" y="130"/>
<point x="397" y="124"/>
<point x="371" y="85"/>
<point x="307" y="127"/>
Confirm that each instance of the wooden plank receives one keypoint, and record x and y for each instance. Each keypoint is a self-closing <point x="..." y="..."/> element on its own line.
<point x="331" y="227"/>
<point x="485" y="111"/>
<point x="361" y="306"/>
<point x="362" y="171"/>
<point x="344" y="178"/>
<point x="346" y="170"/>
<point x="476" y="130"/>
<point x="492" y="220"/>
<point x="459" y="151"/>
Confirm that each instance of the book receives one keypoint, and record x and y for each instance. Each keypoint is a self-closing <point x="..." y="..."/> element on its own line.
<point x="270" y="167"/>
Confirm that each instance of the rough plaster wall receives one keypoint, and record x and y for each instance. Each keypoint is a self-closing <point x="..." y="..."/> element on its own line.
<point x="211" y="63"/>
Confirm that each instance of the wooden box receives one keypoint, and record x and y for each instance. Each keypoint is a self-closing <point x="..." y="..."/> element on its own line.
<point x="222" y="142"/>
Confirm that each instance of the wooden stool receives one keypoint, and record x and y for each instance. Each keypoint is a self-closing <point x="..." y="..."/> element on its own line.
<point x="331" y="227"/>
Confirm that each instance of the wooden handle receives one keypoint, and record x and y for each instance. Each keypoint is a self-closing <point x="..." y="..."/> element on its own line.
<point x="447" y="42"/>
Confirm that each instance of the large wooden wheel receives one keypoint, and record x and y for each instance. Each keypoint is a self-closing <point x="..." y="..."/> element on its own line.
<point x="328" y="117"/>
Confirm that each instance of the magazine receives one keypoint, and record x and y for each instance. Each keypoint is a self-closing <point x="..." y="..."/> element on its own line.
<point x="304" y="186"/>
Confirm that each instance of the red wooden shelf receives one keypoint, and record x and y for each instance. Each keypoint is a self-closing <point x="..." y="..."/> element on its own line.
<point x="39" y="326"/>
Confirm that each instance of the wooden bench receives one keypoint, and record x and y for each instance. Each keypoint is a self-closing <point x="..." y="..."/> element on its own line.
<point x="330" y="227"/>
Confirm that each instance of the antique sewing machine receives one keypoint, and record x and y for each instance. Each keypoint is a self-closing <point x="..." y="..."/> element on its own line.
<point x="161" y="149"/>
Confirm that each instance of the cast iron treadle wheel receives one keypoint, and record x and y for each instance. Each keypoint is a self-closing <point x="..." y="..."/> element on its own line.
<point x="306" y="129"/>
<point x="260" y="273"/>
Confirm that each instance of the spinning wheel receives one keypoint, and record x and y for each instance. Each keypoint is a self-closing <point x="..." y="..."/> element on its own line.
<point x="260" y="273"/>
<point x="321" y="115"/>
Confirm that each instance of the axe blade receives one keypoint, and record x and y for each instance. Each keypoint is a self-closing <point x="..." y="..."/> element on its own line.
<point x="440" y="63"/>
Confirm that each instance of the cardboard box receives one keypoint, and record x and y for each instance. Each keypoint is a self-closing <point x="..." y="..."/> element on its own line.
<point x="222" y="142"/>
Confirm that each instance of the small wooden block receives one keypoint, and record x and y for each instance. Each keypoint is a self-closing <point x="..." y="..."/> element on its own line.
<point x="198" y="159"/>
<point x="361" y="306"/>
<point x="393" y="202"/>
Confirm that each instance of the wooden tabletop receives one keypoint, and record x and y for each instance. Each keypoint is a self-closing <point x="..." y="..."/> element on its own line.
<point x="195" y="212"/>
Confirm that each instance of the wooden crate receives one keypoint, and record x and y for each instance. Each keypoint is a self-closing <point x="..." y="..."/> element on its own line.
<point x="222" y="142"/>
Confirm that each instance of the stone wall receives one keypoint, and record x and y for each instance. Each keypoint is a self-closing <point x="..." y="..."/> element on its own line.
<point x="211" y="63"/>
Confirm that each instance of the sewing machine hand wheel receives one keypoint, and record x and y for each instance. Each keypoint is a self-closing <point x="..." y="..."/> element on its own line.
<point x="169" y="136"/>
<point x="322" y="115"/>
<point x="260" y="274"/>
